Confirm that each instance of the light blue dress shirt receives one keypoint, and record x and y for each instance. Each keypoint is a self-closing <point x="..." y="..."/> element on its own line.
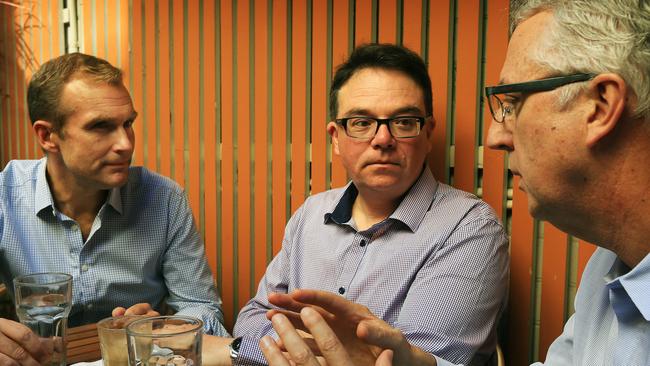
<point x="611" y="325"/>
<point x="143" y="246"/>
<point x="436" y="268"/>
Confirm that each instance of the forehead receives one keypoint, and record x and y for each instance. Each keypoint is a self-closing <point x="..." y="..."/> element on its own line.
<point x="379" y="91"/>
<point x="519" y="64"/>
<point x="90" y="99"/>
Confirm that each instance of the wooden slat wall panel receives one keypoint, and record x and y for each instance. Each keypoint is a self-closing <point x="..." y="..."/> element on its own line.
<point x="232" y="96"/>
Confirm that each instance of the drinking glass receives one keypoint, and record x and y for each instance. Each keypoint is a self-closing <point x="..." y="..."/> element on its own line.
<point x="112" y="339"/>
<point x="165" y="340"/>
<point x="43" y="302"/>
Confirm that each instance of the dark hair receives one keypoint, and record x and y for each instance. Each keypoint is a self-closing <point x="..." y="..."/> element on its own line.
<point x="45" y="87"/>
<point x="383" y="56"/>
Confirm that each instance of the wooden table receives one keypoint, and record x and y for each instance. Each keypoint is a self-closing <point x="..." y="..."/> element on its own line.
<point x="83" y="344"/>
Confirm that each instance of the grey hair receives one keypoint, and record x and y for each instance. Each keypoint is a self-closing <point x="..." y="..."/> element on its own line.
<point x="598" y="37"/>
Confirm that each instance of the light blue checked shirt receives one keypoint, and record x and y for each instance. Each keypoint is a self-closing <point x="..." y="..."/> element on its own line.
<point x="611" y="325"/>
<point x="143" y="246"/>
<point x="437" y="268"/>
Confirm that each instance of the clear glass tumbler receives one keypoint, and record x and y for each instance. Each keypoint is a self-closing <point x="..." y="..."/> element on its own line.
<point x="165" y="340"/>
<point x="43" y="302"/>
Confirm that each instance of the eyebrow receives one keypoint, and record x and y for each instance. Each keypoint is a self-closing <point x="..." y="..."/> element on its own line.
<point x="402" y="110"/>
<point x="100" y="118"/>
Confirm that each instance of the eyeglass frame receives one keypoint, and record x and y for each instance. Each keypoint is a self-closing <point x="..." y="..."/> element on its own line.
<point x="381" y="121"/>
<point x="532" y="86"/>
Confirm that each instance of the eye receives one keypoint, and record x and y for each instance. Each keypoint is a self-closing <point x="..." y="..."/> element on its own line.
<point x="129" y="123"/>
<point x="509" y="105"/>
<point x="405" y="122"/>
<point x="360" y="122"/>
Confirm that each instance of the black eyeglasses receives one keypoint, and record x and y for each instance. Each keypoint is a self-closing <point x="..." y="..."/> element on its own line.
<point x="503" y="107"/>
<point x="367" y="127"/>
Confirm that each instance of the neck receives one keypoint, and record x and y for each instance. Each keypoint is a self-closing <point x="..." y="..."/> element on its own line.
<point x="616" y="213"/>
<point x="368" y="210"/>
<point x="70" y="197"/>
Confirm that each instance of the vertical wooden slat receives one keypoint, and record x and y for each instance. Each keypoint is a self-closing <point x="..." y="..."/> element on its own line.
<point x="13" y="76"/>
<point x="340" y="47"/>
<point x="149" y="82"/>
<point x="387" y="22"/>
<point x="413" y="27"/>
<point x="318" y="95"/>
<point x="86" y="19"/>
<point x="33" y="32"/>
<point x="279" y="121"/>
<point x="137" y="80"/>
<point x="124" y="41"/>
<point x="111" y="29"/>
<point x="438" y="64"/>
<point x="298" y="102"/>
<point x="243" y="150"/>
<point x="518" y="346"/>
<point x="100" y="31"/>
<point x="466" y="85"/>
<point x="554" y="281"/>
<point x="227" y="166"/>
<point x="21" y="87"/>
<point x="261" y="126"/>
<point x="192" y="106"/>
<point x="363" y="22"/>
<point x="210" y="133"/>
<point x="496" y="34"/>
<point x="164" y="86"/>
<point x="179" y="93"/>
<point x="5" y="34"/>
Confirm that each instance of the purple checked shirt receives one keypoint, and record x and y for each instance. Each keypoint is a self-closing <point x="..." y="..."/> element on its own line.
<point x="437" y="268"/>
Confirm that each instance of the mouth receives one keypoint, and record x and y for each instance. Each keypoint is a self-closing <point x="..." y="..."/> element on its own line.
<point x="382" y="163"/>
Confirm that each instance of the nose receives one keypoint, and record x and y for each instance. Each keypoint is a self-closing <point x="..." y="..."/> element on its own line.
<point x="124" y="140"/>
<point x="499" y="137"/>
<point x="383" y="138"/>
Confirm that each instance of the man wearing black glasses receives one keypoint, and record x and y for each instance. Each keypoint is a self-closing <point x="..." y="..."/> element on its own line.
<point x="421" y="255"/>
<point x="573" y="113"/>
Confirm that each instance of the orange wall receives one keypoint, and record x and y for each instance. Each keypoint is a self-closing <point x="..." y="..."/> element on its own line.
<point x="233" y="105"/>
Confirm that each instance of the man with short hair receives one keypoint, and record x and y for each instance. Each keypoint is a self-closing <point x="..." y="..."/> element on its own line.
<point x="421" y="255"/>
<point x="124" y="233"/>
<point x="573" y="112"/>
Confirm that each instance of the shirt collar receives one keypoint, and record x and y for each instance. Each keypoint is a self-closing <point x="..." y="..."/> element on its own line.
<point x="410" y="211"/>
<point x="43" y="197"/>
<point x="634" y="283"/>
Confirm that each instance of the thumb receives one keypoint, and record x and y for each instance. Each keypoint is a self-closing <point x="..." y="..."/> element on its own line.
<point x="118" y="311"/>
<point x="385" y="358"/>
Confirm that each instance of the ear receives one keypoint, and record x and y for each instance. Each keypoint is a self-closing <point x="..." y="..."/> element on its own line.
<point x="333" y="130"/>
<point x="46" y="136"/>
<point x="609" y="93"/>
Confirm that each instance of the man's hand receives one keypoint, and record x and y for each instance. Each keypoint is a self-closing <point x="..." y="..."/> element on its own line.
<point x="137" y="309"/>
<point x="19" y="345"/>
<point x="348" y="331"/>
<point x="215" y="351"/>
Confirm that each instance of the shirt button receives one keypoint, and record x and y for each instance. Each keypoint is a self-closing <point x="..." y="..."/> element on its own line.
<point x="363" y="243"/>
<point x="84" y="268"/>
<point x="74" y="227"/>
<point x="89" y="306"/>
<point x="341" y="290"/>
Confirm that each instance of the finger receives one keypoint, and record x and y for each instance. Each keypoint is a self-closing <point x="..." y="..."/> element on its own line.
<point x="385" y="358"/>
<point x="287" y="302"/>
<point x="272" y="352"/>
<point x="299" y="351"/>
<point x="141" y="309"/>
<point x="331" y="303"/>
<point x="118" y="311"/>
<point x="294" y="318"/>
<point x="379" y="333"/>
<point x="19" y="343"/>
<point x="328" y="343"/>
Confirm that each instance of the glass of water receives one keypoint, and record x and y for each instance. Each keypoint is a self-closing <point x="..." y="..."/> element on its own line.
<point x="43" y="302"/>
<point x="165" y="340"/>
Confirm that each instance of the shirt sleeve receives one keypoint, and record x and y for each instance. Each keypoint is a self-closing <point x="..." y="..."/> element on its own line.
<point x="560" y="352"/>
<point x="454" y="303"/>
<point x="187" y="275"/>
<point x="252" y="324"/>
